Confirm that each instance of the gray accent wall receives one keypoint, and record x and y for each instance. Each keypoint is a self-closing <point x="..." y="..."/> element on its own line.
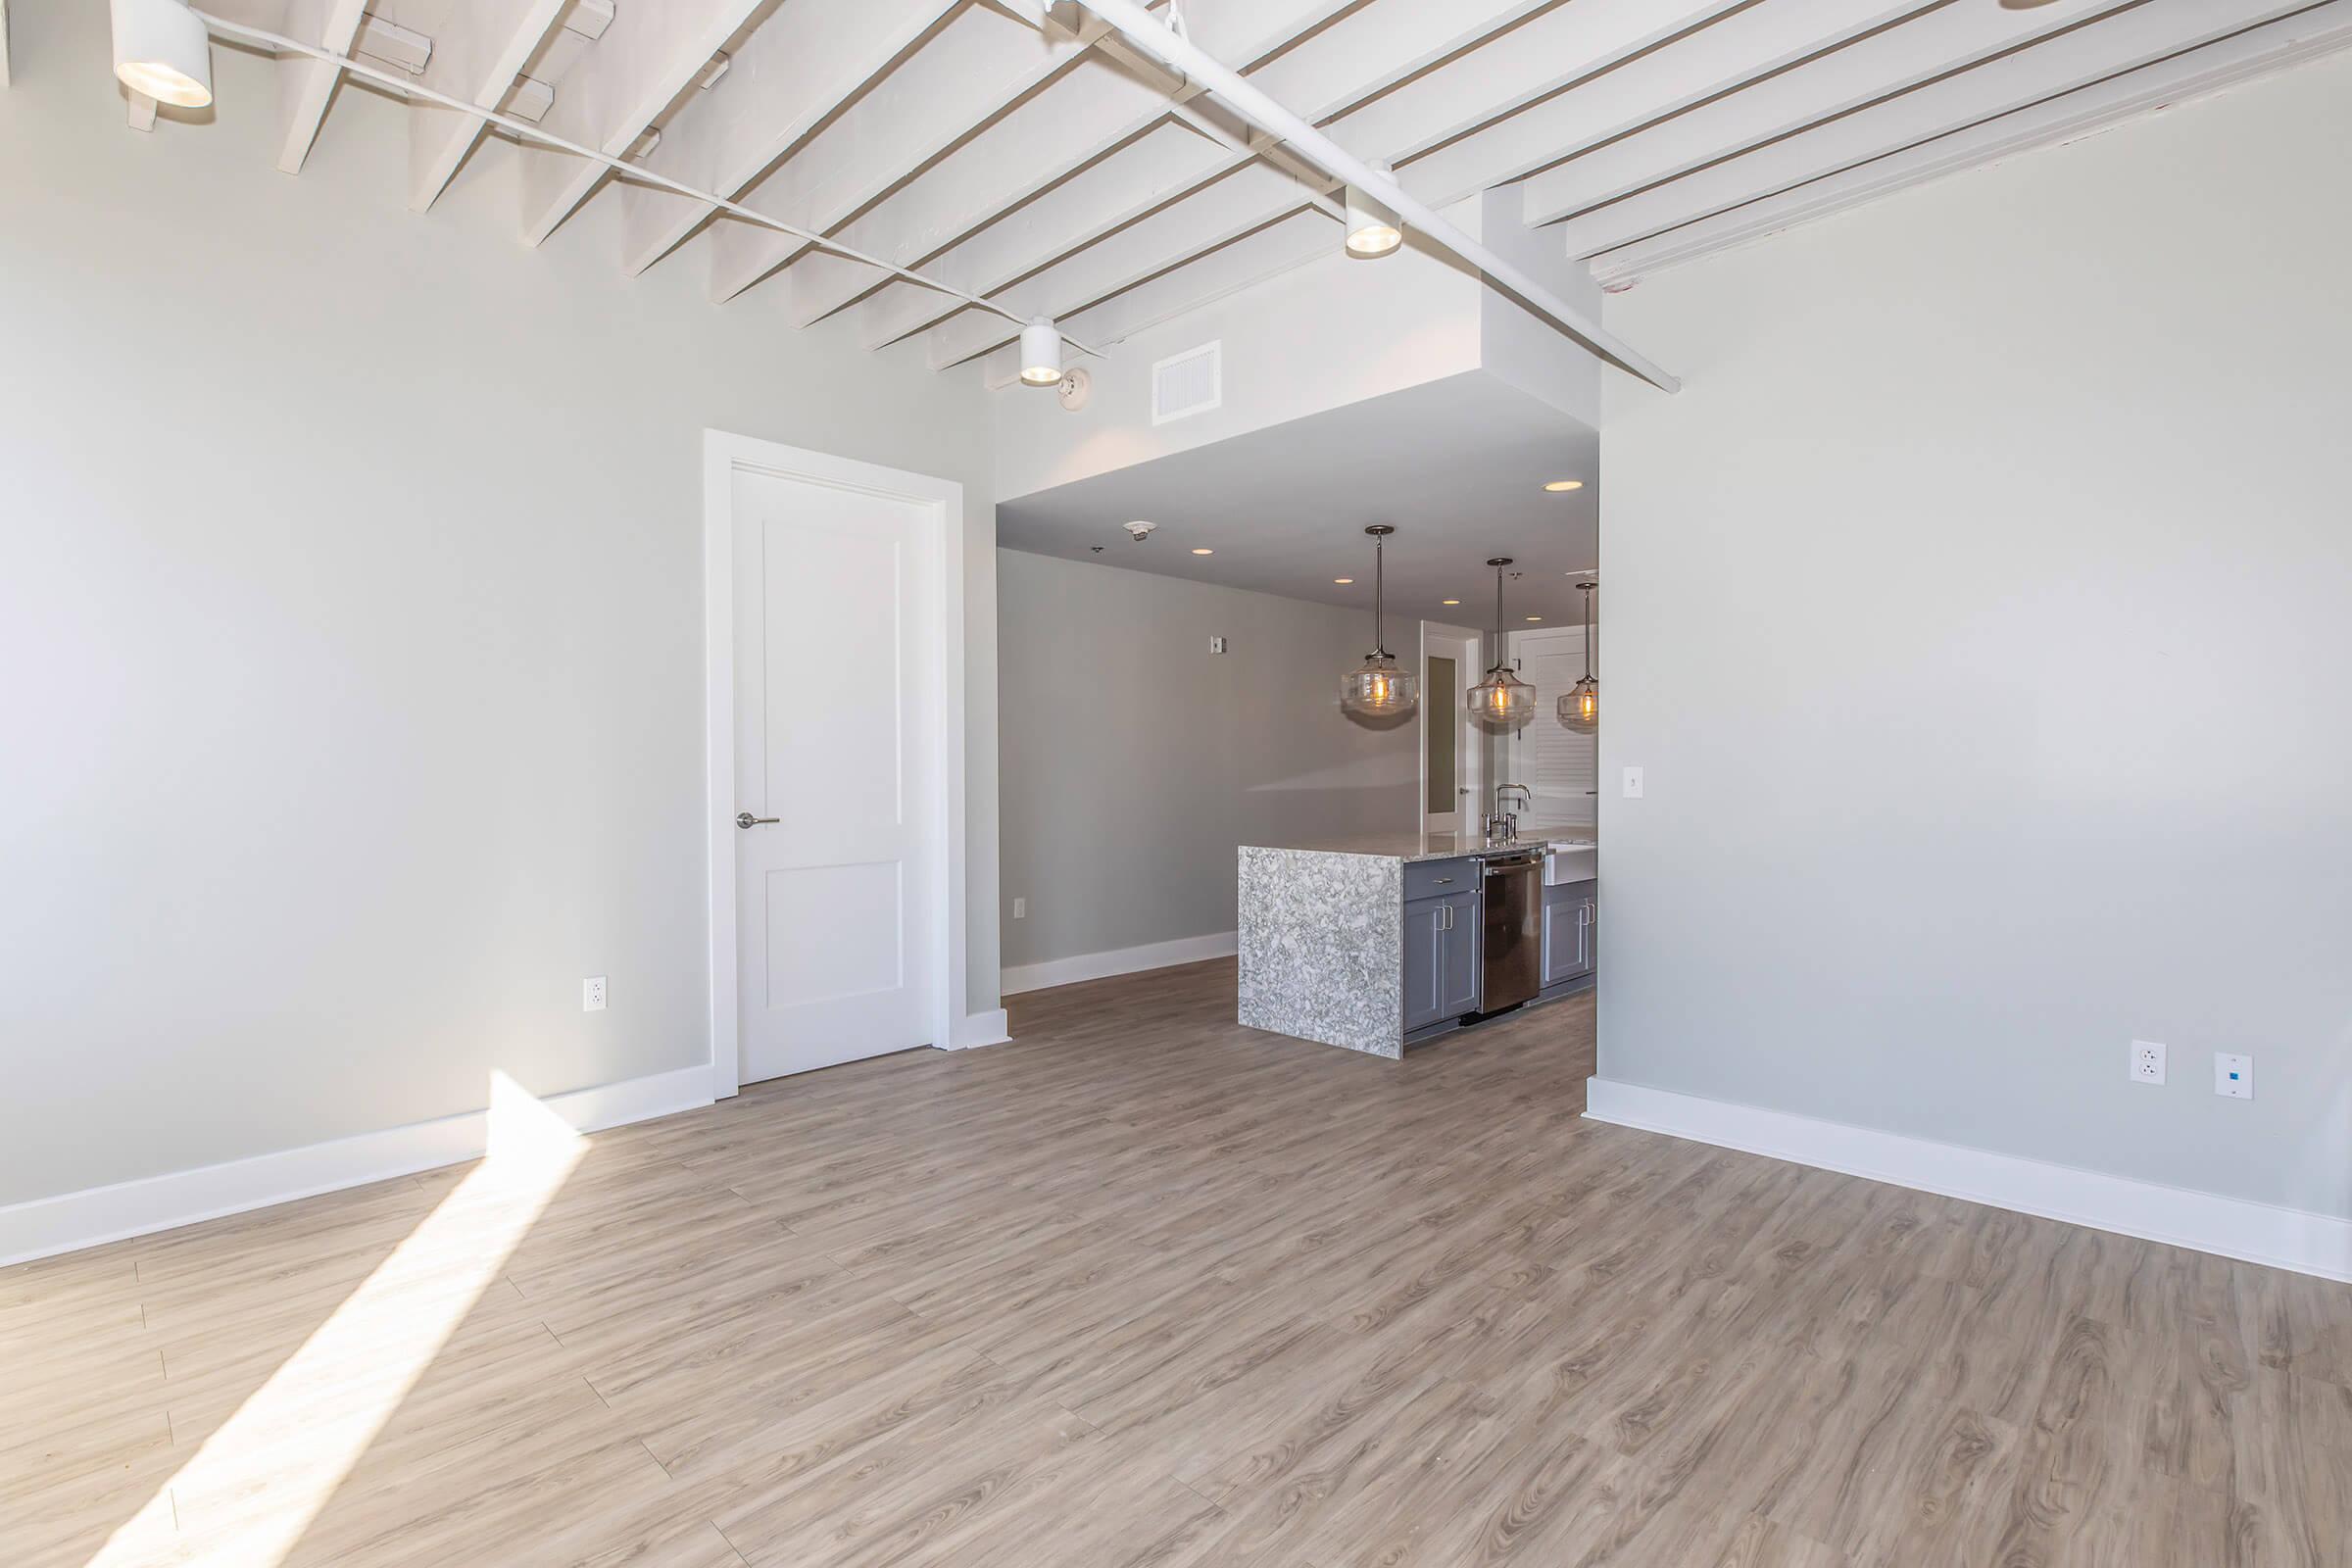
<point x="1136" y="761"/>
<point x="351" y="625"/>
<point x="1981" y="615"/>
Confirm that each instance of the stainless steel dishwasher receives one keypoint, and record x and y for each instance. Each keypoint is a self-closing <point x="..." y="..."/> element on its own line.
<point x="1513" y="928"/>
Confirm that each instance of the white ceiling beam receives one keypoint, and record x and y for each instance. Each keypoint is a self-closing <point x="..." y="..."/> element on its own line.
<point x="2131" y="38"/>
<point x="1823" y="88"/>
<point x="481" y="48"/>
<point x="982" y="64"/>
<point x="1690" y="58"/>
<point x="651" y="53"/>
<point x="2084" y="112"/>
<point x="1268" y="253"/>
<point x="1375" y="81"/>
<point x="788" y="79"/>
<point x="1165" y="163"/>
<point x="1250" y="200"/>
<point x="305" y="86"/>
<point x="1105" y="103"/>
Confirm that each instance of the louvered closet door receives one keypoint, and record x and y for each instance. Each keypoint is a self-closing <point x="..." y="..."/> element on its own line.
<point x="1561" y="766"/>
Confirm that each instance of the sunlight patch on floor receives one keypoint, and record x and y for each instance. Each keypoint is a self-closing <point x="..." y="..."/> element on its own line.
<point x="257" y="1484"/>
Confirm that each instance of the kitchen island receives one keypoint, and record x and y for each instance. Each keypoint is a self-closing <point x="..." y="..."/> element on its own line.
<point x="1377" y="943"/>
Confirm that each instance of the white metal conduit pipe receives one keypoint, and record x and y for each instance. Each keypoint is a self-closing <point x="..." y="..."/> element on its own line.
<point x="407" y="86"/>
<point x="1181" y="55"/>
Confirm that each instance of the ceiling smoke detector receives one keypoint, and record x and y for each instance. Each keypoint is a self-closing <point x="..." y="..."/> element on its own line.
<point x="1140" y="531"/>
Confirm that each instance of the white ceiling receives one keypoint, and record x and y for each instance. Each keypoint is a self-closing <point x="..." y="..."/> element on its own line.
<point x="1018" y="149"/>
<point x="1458" y="465"/>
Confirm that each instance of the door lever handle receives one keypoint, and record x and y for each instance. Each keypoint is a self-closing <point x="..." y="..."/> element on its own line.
<point x="747" y="820"/>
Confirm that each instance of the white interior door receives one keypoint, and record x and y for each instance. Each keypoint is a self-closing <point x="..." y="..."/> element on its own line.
<point x="1450" y="743"/>
<point x="839" y="696"/>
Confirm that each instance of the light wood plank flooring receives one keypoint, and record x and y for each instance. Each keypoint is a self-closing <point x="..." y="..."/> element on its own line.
<point x="1146" y="1287"/>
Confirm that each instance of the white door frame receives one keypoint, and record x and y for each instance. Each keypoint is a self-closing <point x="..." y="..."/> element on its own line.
<point x="725" y="455"/>
<point x="1469" y="765"/>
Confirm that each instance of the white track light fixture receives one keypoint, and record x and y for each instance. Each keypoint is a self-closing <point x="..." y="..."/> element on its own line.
<point x="1041" y="353"/>
<point x="162" y="49"/>
<point x="1373" y="228"/>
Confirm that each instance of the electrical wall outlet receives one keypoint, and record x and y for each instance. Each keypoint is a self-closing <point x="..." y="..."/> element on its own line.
<point x="592" y="995"/>
<point x="2233" y="1076"/>
<point x="2147" y="1063"/>
<point x="1632" y="783"/>
<point x="1020" y="908"/>
<point x="1216" y="645"/>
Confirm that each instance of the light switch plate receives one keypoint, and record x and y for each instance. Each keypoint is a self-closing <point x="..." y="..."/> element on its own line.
<point x="1632" y="783"/>
<point x="1216" y="645"/>
<point x="2233" y="1076"/>
<point x="1020" y="908"/>
<point x="592" y="995"/>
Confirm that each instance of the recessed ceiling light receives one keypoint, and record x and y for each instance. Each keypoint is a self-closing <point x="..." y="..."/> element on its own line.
<point x="1200" y="551"/>
<point x="1342" y="581"/>
<point x="1558" y="485"/>
<point x="1454" y="601"/>
<point x="1534" y="618"/>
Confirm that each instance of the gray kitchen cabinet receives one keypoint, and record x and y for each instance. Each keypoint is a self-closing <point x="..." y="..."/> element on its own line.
<point x="1441" y="959"/>
<point x="1571" y="931"/>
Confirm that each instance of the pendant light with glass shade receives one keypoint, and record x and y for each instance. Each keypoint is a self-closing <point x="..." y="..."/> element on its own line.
<point x="1580" y="709"/>
<point x="1379" y="689"/>
<point x="1503" y="701"/>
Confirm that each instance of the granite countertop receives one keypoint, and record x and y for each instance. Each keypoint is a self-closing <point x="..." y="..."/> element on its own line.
<point x="1411" y="845"/>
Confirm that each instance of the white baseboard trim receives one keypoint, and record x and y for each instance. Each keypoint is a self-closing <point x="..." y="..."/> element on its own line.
<point x="1121" y="960"/>
<point x="72" y="1221"/>
<point x="2205" y="1222"/>
<point x="990" y="1028"/>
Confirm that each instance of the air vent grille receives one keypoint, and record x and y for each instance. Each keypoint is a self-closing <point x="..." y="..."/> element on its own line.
<point x="1187" y="383"/>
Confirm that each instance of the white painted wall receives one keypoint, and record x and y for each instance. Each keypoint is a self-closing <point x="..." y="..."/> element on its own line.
<point x="1293" y="344"/>
<point x="1137" y="761"/>
<point x="1981" y="614"/>
<point x="350" y="627"/>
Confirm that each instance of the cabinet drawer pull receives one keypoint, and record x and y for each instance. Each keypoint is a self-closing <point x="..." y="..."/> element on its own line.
<point x="1445" y="881"/>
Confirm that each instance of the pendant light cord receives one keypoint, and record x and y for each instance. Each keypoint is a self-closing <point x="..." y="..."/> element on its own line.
<point x="1588" y="631"/>
<point x="1497" y="665"/>
<point x="1380" y="637"/>
<point x="626" y="170"/>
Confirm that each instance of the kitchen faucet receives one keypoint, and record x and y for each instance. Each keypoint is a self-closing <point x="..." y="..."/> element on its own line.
<point x="1503" y="827"/>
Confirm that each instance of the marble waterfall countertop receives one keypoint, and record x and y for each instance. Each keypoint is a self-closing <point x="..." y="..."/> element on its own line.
<point x="1425" y="846"/>
<point x="1322" y="931"/>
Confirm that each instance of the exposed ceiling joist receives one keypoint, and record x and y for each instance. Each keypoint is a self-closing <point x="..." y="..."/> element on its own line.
<point x="481" y="48"/>
<point x="1104" y="104"/>
<point x="788" y="79"/>
<point x="982" y="65"/>
<point x="651" y="54"/>
<point x="1663" y="64"/>
<point x="1250" y="200"/>
<point x="2137" y="36"/>
<point x="2082" y="112"/>
<point x="1282" y="247"/>
<point x="1149" y="172"/>
<point x="307" y="87"/>
<point x="1820" y="90"/>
